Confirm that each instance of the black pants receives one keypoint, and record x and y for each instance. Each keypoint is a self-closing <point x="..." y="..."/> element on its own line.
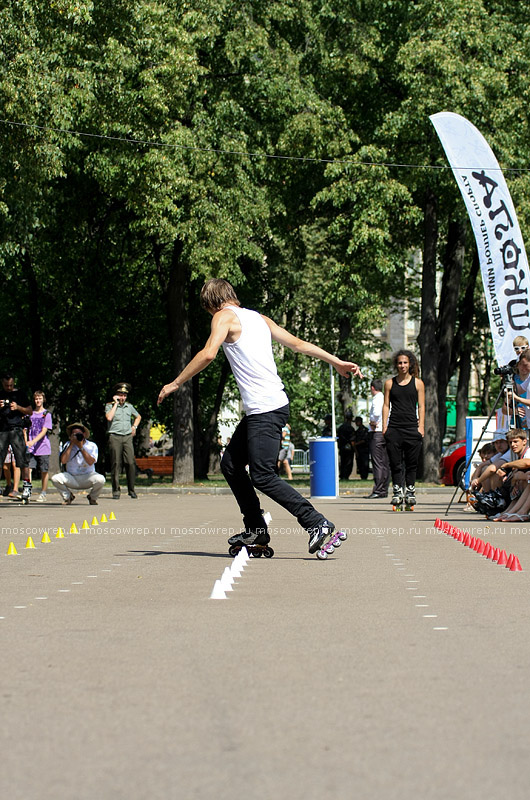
<point x="346" y="462"/>
<point x="380" y="466"/>
<point x="403" y="447"/>
<point x="256" y="442"/>
<point x="15" y="438"/>
<point x="362" y="456"/>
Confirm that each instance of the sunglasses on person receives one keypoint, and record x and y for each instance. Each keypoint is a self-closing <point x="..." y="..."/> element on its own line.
<point x="520" y="348"/>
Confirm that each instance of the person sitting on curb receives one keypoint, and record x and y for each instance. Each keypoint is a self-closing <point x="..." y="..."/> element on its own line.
<point x="485" y="476"/>
<point x="79" y="456"/>
<point x="519" y="473"/>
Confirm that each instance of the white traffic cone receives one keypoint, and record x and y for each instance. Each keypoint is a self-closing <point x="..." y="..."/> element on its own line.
<point x="227" y="580"/>
<point x="217" y="592"/>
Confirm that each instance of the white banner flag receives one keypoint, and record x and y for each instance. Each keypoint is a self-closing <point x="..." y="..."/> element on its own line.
<point x="501" y="250"/>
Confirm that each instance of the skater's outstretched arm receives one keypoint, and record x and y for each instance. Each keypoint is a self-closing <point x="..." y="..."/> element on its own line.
<point x="282" y="336"/>
<point x="222" y="322"/>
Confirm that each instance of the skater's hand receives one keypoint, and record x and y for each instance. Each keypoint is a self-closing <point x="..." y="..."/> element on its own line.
<point x="169" y="388"/>
<point x="346" y="368"/>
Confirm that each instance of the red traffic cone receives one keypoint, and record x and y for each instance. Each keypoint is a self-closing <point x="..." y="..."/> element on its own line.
<point x="481" y="547"/>
<point x="510" y="561"/>
<point x="467" y="540"/>
<point x="516" y="565"/>
<point x="502" y="559"/>
<point x="496" y="554"/>
<point x="488" y="551"/>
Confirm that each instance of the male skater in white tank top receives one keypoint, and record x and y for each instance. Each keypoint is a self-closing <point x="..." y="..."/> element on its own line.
<point x="246" y="338"/>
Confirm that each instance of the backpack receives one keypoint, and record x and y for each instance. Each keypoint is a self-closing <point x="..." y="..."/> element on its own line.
<point x="493" y="502"/>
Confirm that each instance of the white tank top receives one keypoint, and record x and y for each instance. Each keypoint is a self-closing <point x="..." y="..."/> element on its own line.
<point x="252" y="362"/>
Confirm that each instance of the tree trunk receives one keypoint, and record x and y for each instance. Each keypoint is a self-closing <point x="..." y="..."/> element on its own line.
<point x="463" y="346"/>
<point x="344" y="394"/>
<point x="428" y="342"/>
<point x="462" y="392"/>
<point x="206" y="447"/>
<point x="178" y="317"/>
<point x="34" y="326"/>
<point x="447" y="314"/>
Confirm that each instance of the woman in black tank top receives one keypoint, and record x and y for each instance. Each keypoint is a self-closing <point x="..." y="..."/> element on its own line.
<point x="404" y="425"/>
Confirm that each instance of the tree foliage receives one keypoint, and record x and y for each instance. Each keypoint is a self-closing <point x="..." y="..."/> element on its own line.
<point x="147" y="146"/>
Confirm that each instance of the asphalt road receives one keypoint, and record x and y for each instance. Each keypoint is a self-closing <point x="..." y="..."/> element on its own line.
<point x="397" y="668"/>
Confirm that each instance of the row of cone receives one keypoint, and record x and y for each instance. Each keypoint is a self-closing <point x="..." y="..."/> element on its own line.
<point x="225" y="583"/>
<point x="481" y="547"/>
<point x="30" y="544"/>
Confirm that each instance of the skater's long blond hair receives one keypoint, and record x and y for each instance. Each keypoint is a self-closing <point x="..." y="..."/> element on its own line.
<point x="216" y="292"/>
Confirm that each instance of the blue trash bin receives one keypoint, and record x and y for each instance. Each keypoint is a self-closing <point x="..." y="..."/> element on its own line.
<point x="323" y="467"/>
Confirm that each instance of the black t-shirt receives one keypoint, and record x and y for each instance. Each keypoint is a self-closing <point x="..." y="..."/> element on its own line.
<point x="361" y="437"/>
<point x="345" y="435"/>
<point x="12" y="419"/>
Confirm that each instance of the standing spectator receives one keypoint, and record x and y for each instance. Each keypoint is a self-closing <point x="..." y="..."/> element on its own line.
<point x="38" y="443"/>
<point x="345" y="437"/>
<point x="378" y="454"/>
<point x="119" y="414"/>
<point x="361" y="445"/>
<point x="283" y="455"/>
<point x="79" y="456"/>
<point x="14" y="406"/>
<point x="404" y="425"/>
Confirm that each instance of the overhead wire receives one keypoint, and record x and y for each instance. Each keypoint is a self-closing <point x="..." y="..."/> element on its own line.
<point x="246" y="154"/>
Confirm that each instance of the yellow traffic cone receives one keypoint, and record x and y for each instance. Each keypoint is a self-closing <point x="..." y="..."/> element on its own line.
<point x="85" y="526"/>
<point x="94" y="521"/>
<point x="12" y="550"/>
<point x="73" y="528"/>
<point x="45" y="537"/>
<point x="104" y="518"/>
<point x="112" y="515"/>
<point x="30" y="545"/>
<point x="59" y="534"/>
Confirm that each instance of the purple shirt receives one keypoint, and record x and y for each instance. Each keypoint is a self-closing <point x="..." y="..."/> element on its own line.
<point x="39" y="420"/>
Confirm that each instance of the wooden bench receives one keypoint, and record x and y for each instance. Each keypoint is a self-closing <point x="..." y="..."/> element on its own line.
<point x="155" y="465"/>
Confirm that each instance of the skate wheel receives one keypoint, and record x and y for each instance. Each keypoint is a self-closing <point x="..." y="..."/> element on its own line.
<point x="233" y="551"/>
<point x="337" y="542"/>
<point x="322" y="555"/>
<point x="342" y="536"/>
<point x="329" y="548"/>
<point x="256" y="553"/>
<point x="268" y="552"/>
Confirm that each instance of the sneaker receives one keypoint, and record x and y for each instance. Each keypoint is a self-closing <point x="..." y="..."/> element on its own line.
<point x="133" y="495"/>
<point x="318" y="536"/>
<point x="116" y="495"/>
<point x="42" y="497"/>
<point x="68" y="498"/>
<point x="259" y="536"/>
<point x="7" y="491"/>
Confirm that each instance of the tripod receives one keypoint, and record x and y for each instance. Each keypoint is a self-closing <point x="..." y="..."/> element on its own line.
<point x="507" y="389"/>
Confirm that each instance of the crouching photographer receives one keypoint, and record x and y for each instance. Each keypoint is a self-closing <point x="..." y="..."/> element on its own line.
<point x="14" y="408"/>
<point x="79" y="457"/>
